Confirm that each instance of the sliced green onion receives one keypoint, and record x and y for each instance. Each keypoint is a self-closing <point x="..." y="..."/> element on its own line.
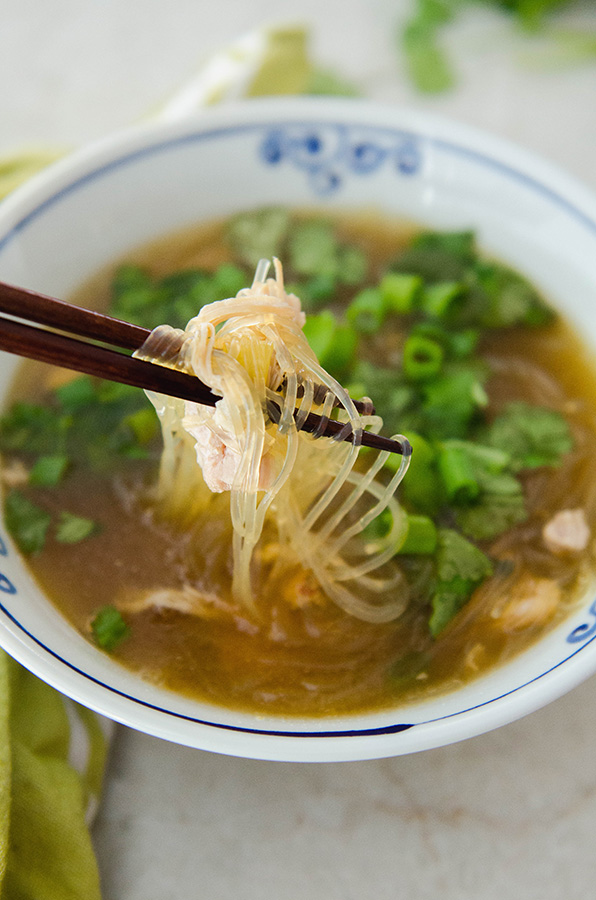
<point x="319" y="331"/>
<point x="422" y="488"/>
<point x="334" y="344"/>
<point x="438" y="299"/>
<point x="228" y="279"/>
<point x="463" y="343"/>
<point x="457" y="472"/>
<point x="366" y="311"/>
<point x="144" y="424"/>
<point x="399" y="292"/>
<point x="341" y="354"/>
<point x="72" y="529"/>
<point x="421" y="536"/>
<point x="109" y="628"/>
<point x="422" y="358"/>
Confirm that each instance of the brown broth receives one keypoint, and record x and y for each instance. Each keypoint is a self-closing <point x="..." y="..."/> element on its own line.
<point x="314" y="660"/>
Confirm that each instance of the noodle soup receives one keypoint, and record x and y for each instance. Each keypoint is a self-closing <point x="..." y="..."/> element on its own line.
<point x="496" y="514"/>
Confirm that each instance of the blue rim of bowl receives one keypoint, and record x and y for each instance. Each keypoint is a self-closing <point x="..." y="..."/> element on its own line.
<point x="448" y="146"/>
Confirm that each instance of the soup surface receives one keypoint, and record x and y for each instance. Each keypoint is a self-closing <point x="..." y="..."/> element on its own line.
<point x="460" y="354"/>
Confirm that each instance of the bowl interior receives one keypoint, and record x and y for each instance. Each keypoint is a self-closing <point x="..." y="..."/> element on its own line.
<point x="330" y="155"/>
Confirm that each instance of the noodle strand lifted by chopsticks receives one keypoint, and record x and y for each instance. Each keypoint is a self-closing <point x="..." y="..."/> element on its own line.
<point x="320" y="493"/>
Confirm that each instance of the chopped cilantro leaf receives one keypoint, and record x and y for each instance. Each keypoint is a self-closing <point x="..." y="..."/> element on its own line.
<point x="315" y="291"/>
<point x="76" y="394"/>
<point x="461" y="567"/>
<point x="257" y="235"/>
<point x="227" y="280"/>
<point x="352" y="265"/>
<point x="510" y="298"/>
<point x="447" y="600"/>
<point x="422" y="490"/>
<point x="428" y="65"/>
<point x="109" y="628"/>
<point x="48" y="471"/>
<point x="32" y="428"/>
<point x="313" y="248"/>
<point x="531" y="435"/>
<point x="459" y="558"/>
<point x="500" y="506"/>
<point x="72" y="529"/>
<point x="450" y="401"/>
<point x="486" y="496"/>
<point x="26" y="522"/>
<point x="438" y="256"/>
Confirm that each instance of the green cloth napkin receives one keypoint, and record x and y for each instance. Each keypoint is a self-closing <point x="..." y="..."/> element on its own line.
<point x="52" y="759"/>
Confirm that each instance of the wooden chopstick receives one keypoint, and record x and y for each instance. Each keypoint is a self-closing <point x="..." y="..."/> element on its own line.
<point x="85" y="323"/>
<point x="103" y="362"/>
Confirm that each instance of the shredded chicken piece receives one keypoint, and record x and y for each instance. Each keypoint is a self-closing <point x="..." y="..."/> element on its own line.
<point x="186" y="600"/>
<point x="218" y="460"/>
<point x="14" y="473"/>
<point x="567" y="532"/>
<point x="533" y="603"/>
<point x="302" y="590"/>
<point x="475" y="657"/>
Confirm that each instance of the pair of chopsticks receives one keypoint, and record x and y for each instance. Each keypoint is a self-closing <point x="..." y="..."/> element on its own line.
<point x="103" y="362"/>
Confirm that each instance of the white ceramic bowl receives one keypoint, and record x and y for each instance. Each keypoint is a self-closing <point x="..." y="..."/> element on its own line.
<point x="91" y="208"/>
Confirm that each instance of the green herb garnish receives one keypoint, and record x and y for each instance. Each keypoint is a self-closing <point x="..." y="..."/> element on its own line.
<point x="333" y="343"/>
<point x="421" y="536"/>
<point x="73" y="529"/>
<point x="26" y="522"/>
<point x="48" y="471"/>
<point x="531" y="435"/>
<point x="486" y="496"/>
<point x="258" y="235"/>
<point x="109" y="628"/>
<point x="422" y="358"/>
<point x="366" y="312"/>
<point x="461" y="567"/>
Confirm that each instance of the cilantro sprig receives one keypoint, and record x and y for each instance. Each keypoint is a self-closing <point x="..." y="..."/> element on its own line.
<point x="460" y="567"/>
<point x="533" y="436"/>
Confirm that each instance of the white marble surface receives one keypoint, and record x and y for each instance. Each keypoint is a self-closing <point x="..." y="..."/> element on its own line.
<point x="509" y="814"/>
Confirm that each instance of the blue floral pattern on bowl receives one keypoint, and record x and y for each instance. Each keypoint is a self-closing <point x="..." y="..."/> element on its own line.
<point x="327" y="153"/>
<point x="586" y="630"/>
